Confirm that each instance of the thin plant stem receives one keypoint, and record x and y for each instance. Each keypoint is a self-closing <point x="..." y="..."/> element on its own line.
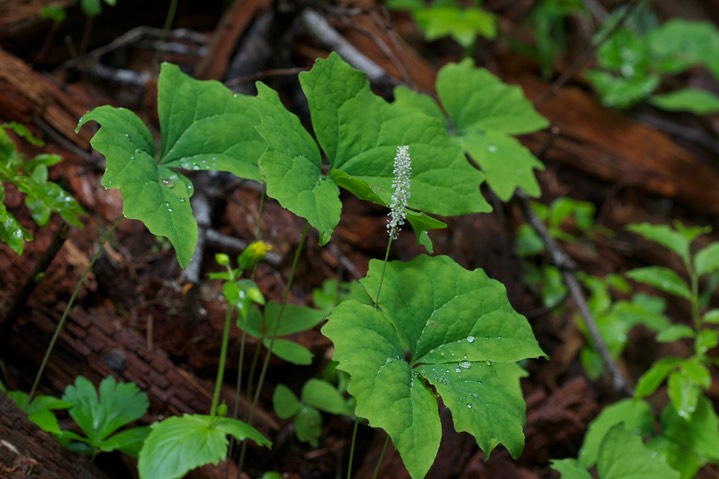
<point x="381" y="456"/>
<point x="266" y="362"/>
<point x="243" y="339"/>
<point x="221" y="366"/>
<point x="70" y="303"/>
<point x="352" y="449"/>
<point x="86" y="34"/>
<point x="694" y="298"/>
<point x="169" y="20"/>
<point x="384" y="268"/>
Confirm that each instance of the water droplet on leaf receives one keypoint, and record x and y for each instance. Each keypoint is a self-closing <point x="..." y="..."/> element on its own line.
<point x="492" y="149"/>
<point x="470" y="339"/>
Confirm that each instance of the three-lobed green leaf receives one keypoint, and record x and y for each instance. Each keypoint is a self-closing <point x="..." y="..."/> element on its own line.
<point x="482" y="114"/>
<point x="359" y="133"/>
<point x="461" y="336"/>
<point x="204" y="127"/>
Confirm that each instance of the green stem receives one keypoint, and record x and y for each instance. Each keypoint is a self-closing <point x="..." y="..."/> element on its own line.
<point x="266" y="362"/>
<point x="70" y="303"/>
<point x="86" y="34"/>
<point x="221" y="366"/>
<point x="169" y="20"/>
<point x="352" y="449"/>
<point x="694" y="281"/>
<point x="384" y="268"/>
<point x="381" y="456"/>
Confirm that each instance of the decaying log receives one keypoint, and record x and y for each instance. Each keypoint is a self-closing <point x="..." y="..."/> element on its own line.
<point x="615" y="148"/>
<point x="17" y="17"/>
<point x="27" y="452"/>
<point x="29" y="97"/>
<point x="96" y="347"/>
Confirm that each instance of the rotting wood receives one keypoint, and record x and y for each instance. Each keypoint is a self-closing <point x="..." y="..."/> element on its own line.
<point x="95" y="347"/>
<point x="233" y="24"/>
<point x="27" y="452"/>
<point x="28" y="95"/>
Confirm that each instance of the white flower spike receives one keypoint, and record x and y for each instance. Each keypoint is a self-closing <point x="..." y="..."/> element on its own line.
<point x="400" y="188"/>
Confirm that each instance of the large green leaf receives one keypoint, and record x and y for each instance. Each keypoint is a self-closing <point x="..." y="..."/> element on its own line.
<point x="292" y="167"/>
<point x="179" y="444"/>
<point x="635" y="415"/>
<point x="460" y="334"/>
<point x="695" y="438"/>
<point x="359" y="132"/>
<point x="482" y="114"/>
<point x="622" y="455"/>
<point x="204" y="127"/>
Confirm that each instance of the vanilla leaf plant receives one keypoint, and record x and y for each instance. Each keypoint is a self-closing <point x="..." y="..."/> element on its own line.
<point x="358" y="132"/>
<point x="204" y="126"/>
<point x="439" y="331"/>
<point x="480" y="115"/>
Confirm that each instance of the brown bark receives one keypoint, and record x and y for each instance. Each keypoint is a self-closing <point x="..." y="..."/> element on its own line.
<point x="27" y="452"/>
<point x="96" y="347"/>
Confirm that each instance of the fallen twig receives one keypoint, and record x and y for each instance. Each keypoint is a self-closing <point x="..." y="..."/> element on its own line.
<point x="566" y="265"/>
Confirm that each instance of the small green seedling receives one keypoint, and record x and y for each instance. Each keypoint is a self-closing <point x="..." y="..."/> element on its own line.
<point x="450" y="18"/>
<point x="177" y="445"/>
<point x="294" y="319"/>
<point x="632" y="62"/>
<point x="100" y="413"/>
<point x="620" y="455"/>
<point x="548" y="21"/>
<point x="317" y="395"/>
<point x="30" y="177"/>
<point x="568" y="220"/>
<point x="685" y="436"/>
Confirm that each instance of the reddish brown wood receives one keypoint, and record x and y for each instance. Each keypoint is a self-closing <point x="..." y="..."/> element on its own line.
<point x="234" y="22"/>
<point x="27" y="452"/>
<point x="27" y="97"/>
<point x="607" y="144"/>
<point x="95" y="346"/>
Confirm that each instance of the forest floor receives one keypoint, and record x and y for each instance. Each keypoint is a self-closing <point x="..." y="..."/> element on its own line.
<point x="143" y="319"/>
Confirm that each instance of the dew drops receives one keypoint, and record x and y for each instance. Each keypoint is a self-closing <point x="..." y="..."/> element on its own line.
<point x="127" y="135"/>
<point x="492" y="149"/>
<point x="469" y="406"/>
<point x="195" y="166"/>
<point x="465" y="364"/>
<point x="168" y="183"/>
<point x="17" y="234"/>
<point x="470" y="339"/>
<point x="458" y="370"/>
<point x="182" y="199"/>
